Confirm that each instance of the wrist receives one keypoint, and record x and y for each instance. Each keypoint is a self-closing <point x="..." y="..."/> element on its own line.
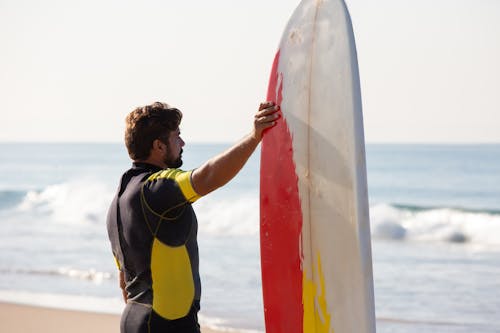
<point x="256" y="136"/>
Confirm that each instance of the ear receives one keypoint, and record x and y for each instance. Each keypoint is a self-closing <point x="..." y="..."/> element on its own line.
<point x="158" y="145"/>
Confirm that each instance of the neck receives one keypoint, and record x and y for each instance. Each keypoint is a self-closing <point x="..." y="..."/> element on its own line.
<point x="153" y="161"/>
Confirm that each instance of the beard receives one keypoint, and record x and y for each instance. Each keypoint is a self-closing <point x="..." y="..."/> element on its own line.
<point x="172" y="162"/>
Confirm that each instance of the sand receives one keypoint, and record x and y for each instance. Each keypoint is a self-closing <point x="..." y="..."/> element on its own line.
<point x="16" y="318"/>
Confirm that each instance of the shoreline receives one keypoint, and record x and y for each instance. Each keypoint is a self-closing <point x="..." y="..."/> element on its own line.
<point x="21" y="318"/>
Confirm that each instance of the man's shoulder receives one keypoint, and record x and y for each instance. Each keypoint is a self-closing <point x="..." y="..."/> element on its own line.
<point x="173" y="181"/>
<point x="165" y="174"/>
<point x="167" y="178"/>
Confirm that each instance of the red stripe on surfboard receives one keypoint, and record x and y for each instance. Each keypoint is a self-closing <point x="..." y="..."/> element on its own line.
<point x="280" y="224"/>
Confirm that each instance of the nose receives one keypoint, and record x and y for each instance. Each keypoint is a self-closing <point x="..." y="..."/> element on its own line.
<point x="182" y="142"/>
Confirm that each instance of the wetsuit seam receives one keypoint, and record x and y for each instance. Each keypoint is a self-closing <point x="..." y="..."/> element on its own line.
<point x="162" y="215"/>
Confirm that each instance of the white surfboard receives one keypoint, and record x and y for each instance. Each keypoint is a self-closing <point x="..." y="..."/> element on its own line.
<point x="315" y="233"/>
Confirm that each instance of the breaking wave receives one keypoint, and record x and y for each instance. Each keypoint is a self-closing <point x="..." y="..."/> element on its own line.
<point x="229" y="214"/>
<point x="441" y="224"/>
<point x="72" y="202"/>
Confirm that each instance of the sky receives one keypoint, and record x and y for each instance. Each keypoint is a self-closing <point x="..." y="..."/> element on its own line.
<point x="71" y="70"/>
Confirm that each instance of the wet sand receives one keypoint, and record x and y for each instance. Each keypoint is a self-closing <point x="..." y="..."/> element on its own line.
<point x="17" y="318"/>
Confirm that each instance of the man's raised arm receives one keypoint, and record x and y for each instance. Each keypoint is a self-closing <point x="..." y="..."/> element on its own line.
<point x="220" y="169"/>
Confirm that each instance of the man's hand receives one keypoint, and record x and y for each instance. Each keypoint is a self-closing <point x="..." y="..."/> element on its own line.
<point x="121" y="279"/>
<point x="265" y="118"/>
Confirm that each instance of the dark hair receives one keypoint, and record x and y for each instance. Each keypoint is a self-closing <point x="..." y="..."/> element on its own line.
<point x="148" y="123"/>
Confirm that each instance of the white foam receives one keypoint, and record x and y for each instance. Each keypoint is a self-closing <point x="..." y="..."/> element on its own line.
<point x="85" y="201"/>
<point x="231" y="216"/>
<point x="91" y="274"/>
<point x="68" y="302"/>
<point x="80" y="201"/>
<point x="435" y="225"/>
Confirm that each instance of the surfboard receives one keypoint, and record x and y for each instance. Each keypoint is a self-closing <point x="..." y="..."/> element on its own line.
<point x="314" y="229"/>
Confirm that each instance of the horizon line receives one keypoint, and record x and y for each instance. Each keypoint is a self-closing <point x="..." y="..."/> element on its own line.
<point x="230" y="142"/>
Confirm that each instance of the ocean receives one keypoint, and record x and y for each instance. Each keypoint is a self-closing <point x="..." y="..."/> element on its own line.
<point x="435" y="224"/>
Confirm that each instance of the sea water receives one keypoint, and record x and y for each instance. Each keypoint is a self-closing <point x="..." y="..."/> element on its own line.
<point x="435" y="223"/>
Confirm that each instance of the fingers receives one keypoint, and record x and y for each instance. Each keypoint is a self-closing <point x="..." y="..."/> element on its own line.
<point x="265" y="118"/>
<point x="266" y="109"/>
<point x="268" y="113"/>
<point x="266" y="105"/>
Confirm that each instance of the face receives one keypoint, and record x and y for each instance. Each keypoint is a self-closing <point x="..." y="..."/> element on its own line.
<point x="173" y="155"/>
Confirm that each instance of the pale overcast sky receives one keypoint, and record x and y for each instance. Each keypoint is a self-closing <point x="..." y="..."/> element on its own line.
<point x="71" y="70"/>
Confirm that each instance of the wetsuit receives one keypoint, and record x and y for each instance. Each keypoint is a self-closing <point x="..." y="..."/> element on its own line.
<point x="152" y="228"/>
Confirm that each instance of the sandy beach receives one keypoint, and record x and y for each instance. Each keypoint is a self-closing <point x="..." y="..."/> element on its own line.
<point x="17" y="318"/>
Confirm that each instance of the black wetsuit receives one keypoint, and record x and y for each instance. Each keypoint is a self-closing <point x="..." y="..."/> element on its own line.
<point x="152" y="228"/>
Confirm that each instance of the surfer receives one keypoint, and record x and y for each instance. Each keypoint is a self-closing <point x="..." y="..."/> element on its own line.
<point x="151" y="224"/>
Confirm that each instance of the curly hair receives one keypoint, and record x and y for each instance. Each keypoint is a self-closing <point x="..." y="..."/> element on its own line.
<point x="148" y="123"/>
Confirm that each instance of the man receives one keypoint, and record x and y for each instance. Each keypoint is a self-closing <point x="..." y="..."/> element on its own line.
<point x="151" y="224"/>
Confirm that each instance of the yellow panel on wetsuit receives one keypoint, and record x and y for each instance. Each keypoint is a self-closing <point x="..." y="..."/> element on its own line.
<point x="173" y="285"/>
<point x="183" y="178"/>
<point x="117" y="263"/>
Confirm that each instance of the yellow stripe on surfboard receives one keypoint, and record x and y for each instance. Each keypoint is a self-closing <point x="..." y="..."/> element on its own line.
<point x="317" y="319"/>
